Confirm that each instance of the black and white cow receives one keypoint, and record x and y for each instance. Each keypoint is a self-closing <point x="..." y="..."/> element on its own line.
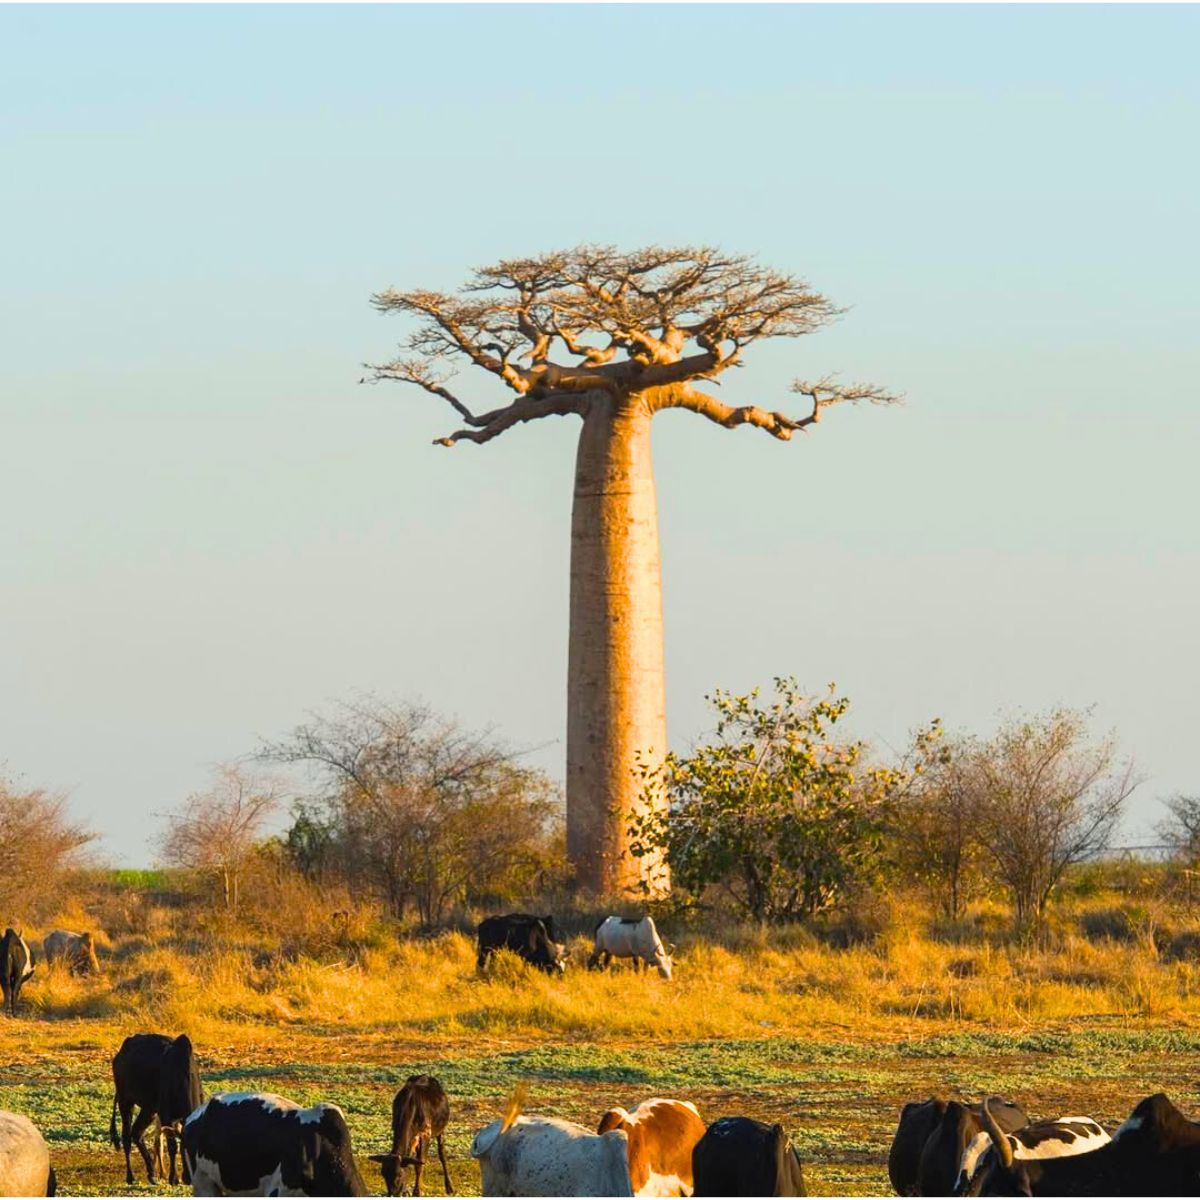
<point x="25" y="1168"/>
<point x="16" y="966"/>
<point x="1060" y="1138"/>
<point x="157" y="1075"/>
<point x="420" y="1112"/>
<point x="636" y="938"/>
<point x="530" y="937"/>
<point x="739" y="1156"/>
<point x="260" y="1144"/>
<point x="932" y="1137"/>
<point x="1156" y="1152"/>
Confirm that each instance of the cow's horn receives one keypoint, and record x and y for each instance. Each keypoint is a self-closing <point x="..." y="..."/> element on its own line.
<point x="514" y="1104"/>
<point x="998" y="1136"/>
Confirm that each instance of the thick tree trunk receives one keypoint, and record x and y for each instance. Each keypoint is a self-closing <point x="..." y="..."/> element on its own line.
<point x="616" y="703"/>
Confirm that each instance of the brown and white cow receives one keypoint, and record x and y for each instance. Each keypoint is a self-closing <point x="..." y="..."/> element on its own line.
<point x="662" y="1135"/>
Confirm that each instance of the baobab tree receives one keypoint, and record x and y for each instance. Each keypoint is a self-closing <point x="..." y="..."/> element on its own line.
<point x="612" y="338"/>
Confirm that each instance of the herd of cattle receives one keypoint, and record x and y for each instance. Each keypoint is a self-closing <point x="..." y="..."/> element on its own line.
<point x="261" y="1144"/>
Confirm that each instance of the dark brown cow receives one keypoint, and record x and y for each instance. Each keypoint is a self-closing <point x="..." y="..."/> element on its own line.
<point x="420" y="1111"/>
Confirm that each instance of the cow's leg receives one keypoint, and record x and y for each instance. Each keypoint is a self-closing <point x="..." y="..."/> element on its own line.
<point x="138" y="1134"/>
<point x="445" y="1168"/>
<point x="126" y="1109"/>
<point x="172" y="1147"/>
<point x="419" y="1163"/>
<point x="593" y="959"/>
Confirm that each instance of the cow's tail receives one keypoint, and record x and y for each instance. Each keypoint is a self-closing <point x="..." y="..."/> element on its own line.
<point x="999" y="1139"/>
<point x="112" y="1126"/>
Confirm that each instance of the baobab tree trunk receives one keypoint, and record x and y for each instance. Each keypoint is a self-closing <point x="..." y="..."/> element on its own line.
<point x="616" y="702"/>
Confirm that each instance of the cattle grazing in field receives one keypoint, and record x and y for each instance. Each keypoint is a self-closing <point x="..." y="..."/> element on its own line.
<point x="623" y="937"/>
<point x="16" y="966"/>
<point x="931" y="1138"/>
<point x="260" y="1144"/>
<point x="543" y="1156"/>
<point x="1156" y="1152"/>
<point x="739" y="1156"/>
<point x="530" y="937"/>
<point x="1061" y="1138"/>
<point x="25" y="1168"/>
<point x="420" y="1111"/>
<point x="77" y="950"/>
<point x="662" y="1135"/>
<point x="157" y="1075"/>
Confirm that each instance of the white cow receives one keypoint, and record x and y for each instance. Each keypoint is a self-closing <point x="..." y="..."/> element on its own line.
<point x="24" y="1159"/>
<point x="543" y="1156"/>
<point x="620" y="937"/>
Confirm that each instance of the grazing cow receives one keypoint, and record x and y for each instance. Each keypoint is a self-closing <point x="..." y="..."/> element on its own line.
<point x="662" y="1135"/>
<point x="1062" y="1138"/>
<point x="158" y="1075"/>
<point x="77" y="950"/>
<point x="25" y="1168"/>
<point x="259" y="1144"/>
<point x="420" y="1111"/>
<point x="1156" y="1152"/>
<point x="543" y="1156"/>
<point x="622" y="937"/>
<point x="16" y="966"/>
<point x="742" y="1157"/>
<point x="524" y="934"/>
<point x="930" y="1142"/>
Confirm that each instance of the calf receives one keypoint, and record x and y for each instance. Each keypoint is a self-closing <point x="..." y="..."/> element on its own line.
<point x="16" y="966"/>
<point x="623" y="937"/>
<point x="420" y="1111"/>
<point x="159" y="1077"/>
<point x="662" y="1135"/>
<point x="931" y="1138"/>
<point x="543" y="1156"/>
<point x="25" y="1168"/>
<point x="530" y="937"/>
<point x="742" y="1157"/>
<point x="1156" y="1152"/>
<point x="77" y="950"/>
<point x="259" y="1144"/>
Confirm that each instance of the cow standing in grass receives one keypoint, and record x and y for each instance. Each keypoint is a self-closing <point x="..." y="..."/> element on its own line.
<point x="16" y="966"/>
<point x="529" y="937"/>
<point x="637" y="938"/>
<point x="420" y="1112"/>
<point x="157" y="1075"/>
<point x="662" y="1135"/>
<point x="739" y="1156"/>
<point x="77" y="950"/>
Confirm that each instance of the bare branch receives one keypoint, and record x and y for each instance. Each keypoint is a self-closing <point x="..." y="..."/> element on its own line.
<point x="518" y="413"/>
<point x="412" y="370"/>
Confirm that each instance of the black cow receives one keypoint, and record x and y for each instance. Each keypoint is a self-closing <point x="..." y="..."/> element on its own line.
<point x="16" y="966"/>
<point x="259" y="1144"/>
<point x="524" y="934"/>
<point x="1156" y="1152"/>
<point x="931" y="1137"/>
<point x="738" y="1156"/>
<point x="420" y="1111"/>
<point x="158" y="1075"/>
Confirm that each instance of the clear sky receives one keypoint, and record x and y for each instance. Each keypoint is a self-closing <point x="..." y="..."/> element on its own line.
<point x="207" y="529"/>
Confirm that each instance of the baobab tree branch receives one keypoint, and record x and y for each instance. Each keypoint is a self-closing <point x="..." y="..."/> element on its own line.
<point x="777" y="424"/>
<point x="420" y="373"/>
<point x="828" y="391"/>
<point x="517" y="413"/>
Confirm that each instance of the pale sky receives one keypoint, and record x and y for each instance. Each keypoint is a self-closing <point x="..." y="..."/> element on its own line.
<point x="207" y="529"/>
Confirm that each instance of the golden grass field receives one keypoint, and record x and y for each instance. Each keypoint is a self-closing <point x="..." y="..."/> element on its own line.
<point x="830" y="1042"/>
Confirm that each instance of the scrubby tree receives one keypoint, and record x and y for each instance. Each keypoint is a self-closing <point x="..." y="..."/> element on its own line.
<point x="419" y="811"/>
<point x="1181" y="828"/>
<point x="1047" y="796"/>
<point x="773" y="812"/>
<point x="215" y="831"/>
<point x="612" y="338"/>
<point x="39" y="844"/>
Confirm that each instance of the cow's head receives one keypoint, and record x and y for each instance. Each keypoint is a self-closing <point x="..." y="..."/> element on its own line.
<point x="390" y="1167"/>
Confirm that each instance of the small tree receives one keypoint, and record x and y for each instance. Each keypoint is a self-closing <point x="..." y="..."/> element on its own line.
<point x="1046" y="797"/>
<point x="216" y="831"/>
<point x="773" y="813"/>
<point x="419" y="811"/>
<point x="1181" y="828"/>
<point x="935" y="834"/>
<point x="39" y="844"/>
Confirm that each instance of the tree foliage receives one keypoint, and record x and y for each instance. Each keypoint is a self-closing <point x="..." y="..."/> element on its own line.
<point x="215" y="832"/>
<point x="418" y="811"/>
<point x="778" y="816"/>
<point x="39" y="844"/>
<point x="1180" y="829"/>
